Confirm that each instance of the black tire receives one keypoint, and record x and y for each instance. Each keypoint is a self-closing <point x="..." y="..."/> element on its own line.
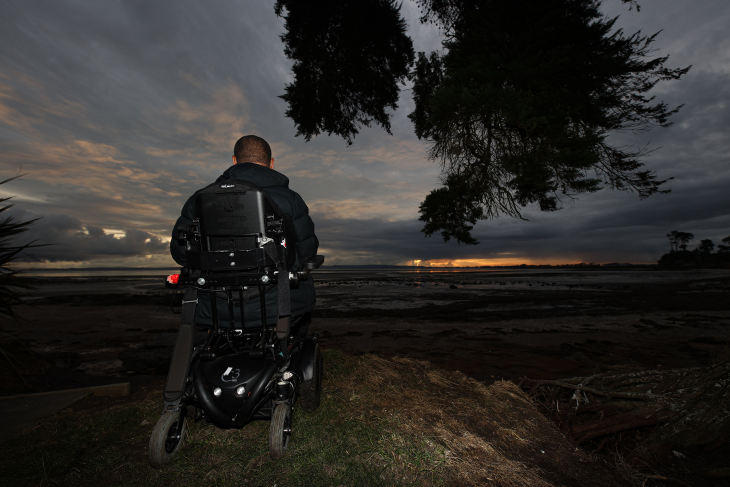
<point x="310" y="391"/>
<point x="164" y="447"/>
<point x="280" y="431"/>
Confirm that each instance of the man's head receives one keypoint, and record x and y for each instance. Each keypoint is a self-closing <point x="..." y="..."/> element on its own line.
<point x="252" y="148"/>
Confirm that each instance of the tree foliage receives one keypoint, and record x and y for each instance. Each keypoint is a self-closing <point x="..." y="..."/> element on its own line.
<point x="13" y="284"/>
<point x="679" y="240"/>
<point x="724" y="248"/>
<point x="454" y="215"/>
<point x="702" y="256"/>
<point x="447" y="13"/>
<point x="349" y="57"/>
<point x="705" y="247"/>
<point x="519" y="108"/>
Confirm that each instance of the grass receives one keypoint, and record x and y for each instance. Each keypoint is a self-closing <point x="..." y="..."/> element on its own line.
<point x="382" y="422"/>
<point x="333" y="446"/>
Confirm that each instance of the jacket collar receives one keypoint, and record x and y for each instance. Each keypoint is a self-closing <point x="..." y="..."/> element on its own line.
<point x="261" y="176"/>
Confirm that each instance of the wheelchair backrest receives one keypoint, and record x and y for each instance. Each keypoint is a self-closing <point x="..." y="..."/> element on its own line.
<point x="232" y="221"/>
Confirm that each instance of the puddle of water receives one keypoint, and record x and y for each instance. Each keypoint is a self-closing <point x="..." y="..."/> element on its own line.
<point x="514" y="308"/>
<point x="101" y="367"/>
<point x="100" y="350"/>
<point x="385" y="304"/>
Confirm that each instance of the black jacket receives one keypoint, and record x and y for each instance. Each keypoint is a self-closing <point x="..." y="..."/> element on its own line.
<point x="276" y="185"/>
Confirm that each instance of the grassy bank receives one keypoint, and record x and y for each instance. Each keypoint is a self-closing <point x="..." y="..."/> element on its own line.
<point x="382" y="422"/>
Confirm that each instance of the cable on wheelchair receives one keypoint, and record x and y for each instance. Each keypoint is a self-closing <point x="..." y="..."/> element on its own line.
<point x="228" y="340"/>
<point x="231" y="318"/>
<point x="174" y="294"/>
<point x="264" y="337"/>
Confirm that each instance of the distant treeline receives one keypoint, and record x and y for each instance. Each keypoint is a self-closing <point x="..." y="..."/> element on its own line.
<point x="704" y="255"/>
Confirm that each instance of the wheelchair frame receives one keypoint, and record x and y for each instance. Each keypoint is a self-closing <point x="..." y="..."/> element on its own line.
<point x="270" y="379"/>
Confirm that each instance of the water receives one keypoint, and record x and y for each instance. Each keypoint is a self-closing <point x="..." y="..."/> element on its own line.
<point x="343" y="272"/>
<point x="330" y="271"/>
<point x="103" y="272"/>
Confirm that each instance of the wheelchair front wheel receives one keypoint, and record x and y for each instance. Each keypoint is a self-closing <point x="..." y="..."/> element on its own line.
<point x="280" y="431"/>
<point x="164" y="441"/>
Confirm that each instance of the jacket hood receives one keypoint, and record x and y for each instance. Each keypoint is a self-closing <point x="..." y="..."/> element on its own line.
<point x="261" y="176"/>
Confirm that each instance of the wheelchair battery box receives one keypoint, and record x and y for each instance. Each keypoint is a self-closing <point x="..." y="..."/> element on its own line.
<point x="230" y="379"/>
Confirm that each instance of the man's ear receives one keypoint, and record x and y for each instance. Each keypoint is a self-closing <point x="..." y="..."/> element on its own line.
<point x="234" y="160"/>
<point x="271" y="166"/>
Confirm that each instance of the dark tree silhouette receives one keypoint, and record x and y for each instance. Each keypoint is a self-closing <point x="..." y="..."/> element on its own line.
<point x="453" y="213"/>
<point x="721" y="249"/>
<point x="448" y="13"/>
<point x="705" y="247"/>
<point x="673" y="241"/>
<point x="683" y="239"/>
<point x="349" y="57"/>
<point x="519" y="108"/>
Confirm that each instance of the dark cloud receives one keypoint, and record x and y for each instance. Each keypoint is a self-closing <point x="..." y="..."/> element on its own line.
<point x="66" y="239"/>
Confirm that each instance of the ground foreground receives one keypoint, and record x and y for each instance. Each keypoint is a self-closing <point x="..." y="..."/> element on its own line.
<point x="382" y="422"/>
<point x="553" y="332"/>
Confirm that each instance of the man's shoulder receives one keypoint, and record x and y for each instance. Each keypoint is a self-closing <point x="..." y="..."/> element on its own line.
<point x="272" y="183"/>
<point x="288" y="200"/>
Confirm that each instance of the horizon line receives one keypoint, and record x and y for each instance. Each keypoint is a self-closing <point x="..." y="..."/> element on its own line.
<point x="581" y="264"/>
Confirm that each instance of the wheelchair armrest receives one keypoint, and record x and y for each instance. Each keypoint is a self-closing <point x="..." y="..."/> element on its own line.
<point x="313" y="262"/>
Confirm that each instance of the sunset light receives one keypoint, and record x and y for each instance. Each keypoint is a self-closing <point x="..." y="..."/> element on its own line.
<point x="438" y="263"/>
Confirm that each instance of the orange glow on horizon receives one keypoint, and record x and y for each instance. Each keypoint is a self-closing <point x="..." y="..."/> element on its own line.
<point x="506" y="261"/>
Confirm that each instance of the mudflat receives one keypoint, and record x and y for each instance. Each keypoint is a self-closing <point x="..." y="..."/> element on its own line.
<point x="538" y="323"/>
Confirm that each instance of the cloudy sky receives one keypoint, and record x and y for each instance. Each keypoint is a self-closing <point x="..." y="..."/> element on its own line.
<point x="117" y="111"/>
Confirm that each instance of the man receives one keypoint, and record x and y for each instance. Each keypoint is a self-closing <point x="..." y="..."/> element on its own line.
<point x="252" y="162"/>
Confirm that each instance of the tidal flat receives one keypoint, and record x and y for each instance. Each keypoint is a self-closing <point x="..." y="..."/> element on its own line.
<point x="490" y="324"/>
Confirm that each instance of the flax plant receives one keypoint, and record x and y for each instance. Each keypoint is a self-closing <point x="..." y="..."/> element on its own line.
<point x="13" y="283"/>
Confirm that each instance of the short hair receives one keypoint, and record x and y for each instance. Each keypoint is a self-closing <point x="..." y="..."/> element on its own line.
<point x="252" y="148"/>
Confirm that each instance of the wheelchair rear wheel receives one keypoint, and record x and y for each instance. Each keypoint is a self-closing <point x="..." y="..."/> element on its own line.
<point x="311" y="390"/>
<point x="164" y="441"/>
<point x="280" y="431"/>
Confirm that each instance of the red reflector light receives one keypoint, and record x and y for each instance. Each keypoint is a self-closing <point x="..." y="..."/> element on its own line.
<point x="172" y="278"/>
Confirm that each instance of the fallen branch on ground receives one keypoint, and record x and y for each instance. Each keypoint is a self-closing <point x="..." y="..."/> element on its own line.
<point x="689" y="405"/>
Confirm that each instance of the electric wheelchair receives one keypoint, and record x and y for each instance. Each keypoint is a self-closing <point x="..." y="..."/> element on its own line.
<point x="238" y="248"/>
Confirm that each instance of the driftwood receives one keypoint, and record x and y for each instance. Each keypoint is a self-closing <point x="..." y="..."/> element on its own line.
<point x="609" y="394"/>
<point x="583" y="432"/>
<point x="690" y="408"/>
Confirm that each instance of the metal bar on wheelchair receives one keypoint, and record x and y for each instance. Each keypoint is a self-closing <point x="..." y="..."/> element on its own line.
<point x="240" y="305"/>
<point x="214" y="310"/>
<point x="262" y="299"/>
<point x="208" y="342"/>
<point x="231" y="317"/>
